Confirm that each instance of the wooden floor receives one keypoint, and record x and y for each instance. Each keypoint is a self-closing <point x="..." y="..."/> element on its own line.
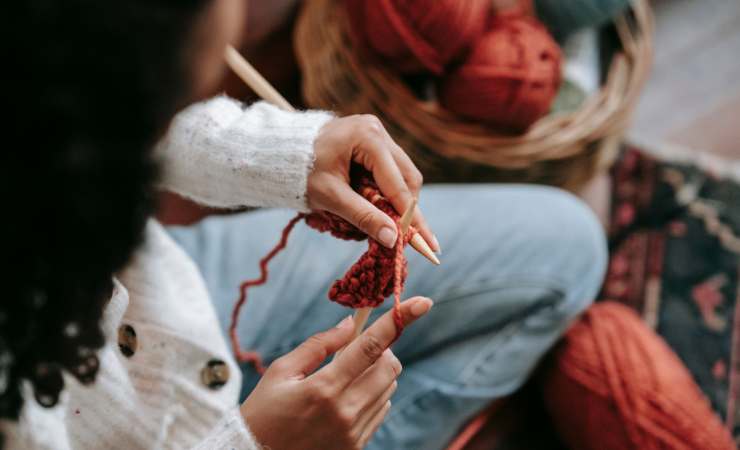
<point x="693" y="96"/>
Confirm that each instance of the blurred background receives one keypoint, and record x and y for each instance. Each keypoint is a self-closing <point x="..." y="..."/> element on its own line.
<point x="692" y="99"/>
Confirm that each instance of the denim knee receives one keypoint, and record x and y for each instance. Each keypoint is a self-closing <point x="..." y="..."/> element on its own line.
<point x="579" y="252"/>
<point x="523" y="234"/>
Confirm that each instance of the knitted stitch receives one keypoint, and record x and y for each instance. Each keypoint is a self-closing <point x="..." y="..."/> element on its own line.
<point x="378" y="273"/>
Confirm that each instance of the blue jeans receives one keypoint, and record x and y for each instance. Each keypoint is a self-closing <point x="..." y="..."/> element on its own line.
<point x="519" y="263"/>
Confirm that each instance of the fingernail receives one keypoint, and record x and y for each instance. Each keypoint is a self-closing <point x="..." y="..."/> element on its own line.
<point x="387" y="237"/>
<point x="394" y="360"/>
<point x="421" y="307"/>
<point x="345" y="322"/>
<point x="398" y="365"/>
<point x="435" y="242"/>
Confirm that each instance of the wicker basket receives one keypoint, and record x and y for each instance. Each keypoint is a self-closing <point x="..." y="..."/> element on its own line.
<point x="561" y="149"/>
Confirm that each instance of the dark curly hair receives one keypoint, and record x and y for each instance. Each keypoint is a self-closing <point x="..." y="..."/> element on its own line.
<point x="92" y="85"/>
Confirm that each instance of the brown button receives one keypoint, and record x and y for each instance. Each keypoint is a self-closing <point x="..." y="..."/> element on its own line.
<point x="47" y="400"/>
<point x="215" y="374"/>
<point x="127" y="340"/>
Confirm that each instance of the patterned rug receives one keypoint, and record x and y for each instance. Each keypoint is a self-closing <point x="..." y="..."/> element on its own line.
<point x="675" y="257"/>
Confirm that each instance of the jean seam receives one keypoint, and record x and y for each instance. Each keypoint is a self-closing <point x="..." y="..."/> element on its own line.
<point x="485" y="353"/>
<point x="495" y="284"/>
<point x="401" y="406"/>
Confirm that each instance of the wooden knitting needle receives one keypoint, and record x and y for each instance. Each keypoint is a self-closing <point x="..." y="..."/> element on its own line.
<point x="407" y="217"/>
<point x="254" y="79"/>
<point x="264" y="89"/>
<point x="421" y="246"/>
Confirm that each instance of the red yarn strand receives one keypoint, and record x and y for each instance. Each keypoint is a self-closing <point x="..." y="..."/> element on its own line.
<point x="398" y="279"/>
<point x="251" y="356"/>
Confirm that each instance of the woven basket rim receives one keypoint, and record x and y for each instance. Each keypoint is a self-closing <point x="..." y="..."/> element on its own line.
<point x="602" y="115"/>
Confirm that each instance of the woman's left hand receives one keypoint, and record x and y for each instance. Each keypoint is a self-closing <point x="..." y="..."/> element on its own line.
<point x="362" y="139"/>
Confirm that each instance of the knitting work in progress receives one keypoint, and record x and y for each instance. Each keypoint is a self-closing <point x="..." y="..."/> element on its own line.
<point x="378" y="273"/>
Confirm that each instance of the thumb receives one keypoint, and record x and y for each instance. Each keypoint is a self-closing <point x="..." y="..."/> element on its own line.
<point x="307" y="357"/>
<point x="355" y="209"/>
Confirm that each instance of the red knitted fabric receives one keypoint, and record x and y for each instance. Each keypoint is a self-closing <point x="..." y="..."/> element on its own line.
<point x="510" y="78"/>
<point x="616" y="385"/>
<point x="378" y="273"/>
<point x="414" y="35"/>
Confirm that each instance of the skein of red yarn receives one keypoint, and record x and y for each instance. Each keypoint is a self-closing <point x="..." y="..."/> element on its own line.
<point x="413" y="35"/>
<point x="510" y="78"/>
<point x="616" y="385"/>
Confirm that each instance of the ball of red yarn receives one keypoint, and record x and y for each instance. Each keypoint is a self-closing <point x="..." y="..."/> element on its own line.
<point x="413" y="35"/>
<point x="616" y="385"/>
<point x="510" y="78"/>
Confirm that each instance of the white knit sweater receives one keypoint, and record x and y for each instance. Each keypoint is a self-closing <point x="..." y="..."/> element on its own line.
<point x="219" y="154"/>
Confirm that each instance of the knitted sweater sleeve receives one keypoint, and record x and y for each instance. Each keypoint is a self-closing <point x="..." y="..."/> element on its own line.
<point x="230" y="433"/>
<point x="221" y="154"/>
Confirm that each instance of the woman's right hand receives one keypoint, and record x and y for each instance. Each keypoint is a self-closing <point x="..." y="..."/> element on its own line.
<point x="340" y="406"/>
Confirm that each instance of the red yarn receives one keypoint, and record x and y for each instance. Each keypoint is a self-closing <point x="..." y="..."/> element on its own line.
<point x="510" y="78"/>
<point x="616" y="385"/>
<point x="378" y="273"/>
<point x="413" y="35"/>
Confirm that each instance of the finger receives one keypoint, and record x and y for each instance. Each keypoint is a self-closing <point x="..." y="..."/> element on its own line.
<point x="423" y="228"/>
<point x="365" y="420"/>
<point x="414" y="180"/>
<point x="366" y="415"/>
<point x="374" y="424"/>
<point x="371" y="385"/>
<point x="377" y="156"/>
<point x="401" y="193"/>
<point x="362" y="353"/>
<point x="409" y="171"/>
<point x="354" y="208"/>
<point x="391" y="182"/>
<point x="308" y="356"/>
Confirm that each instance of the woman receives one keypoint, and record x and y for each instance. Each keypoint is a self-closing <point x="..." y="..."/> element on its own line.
<point x="108" y="337"/>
